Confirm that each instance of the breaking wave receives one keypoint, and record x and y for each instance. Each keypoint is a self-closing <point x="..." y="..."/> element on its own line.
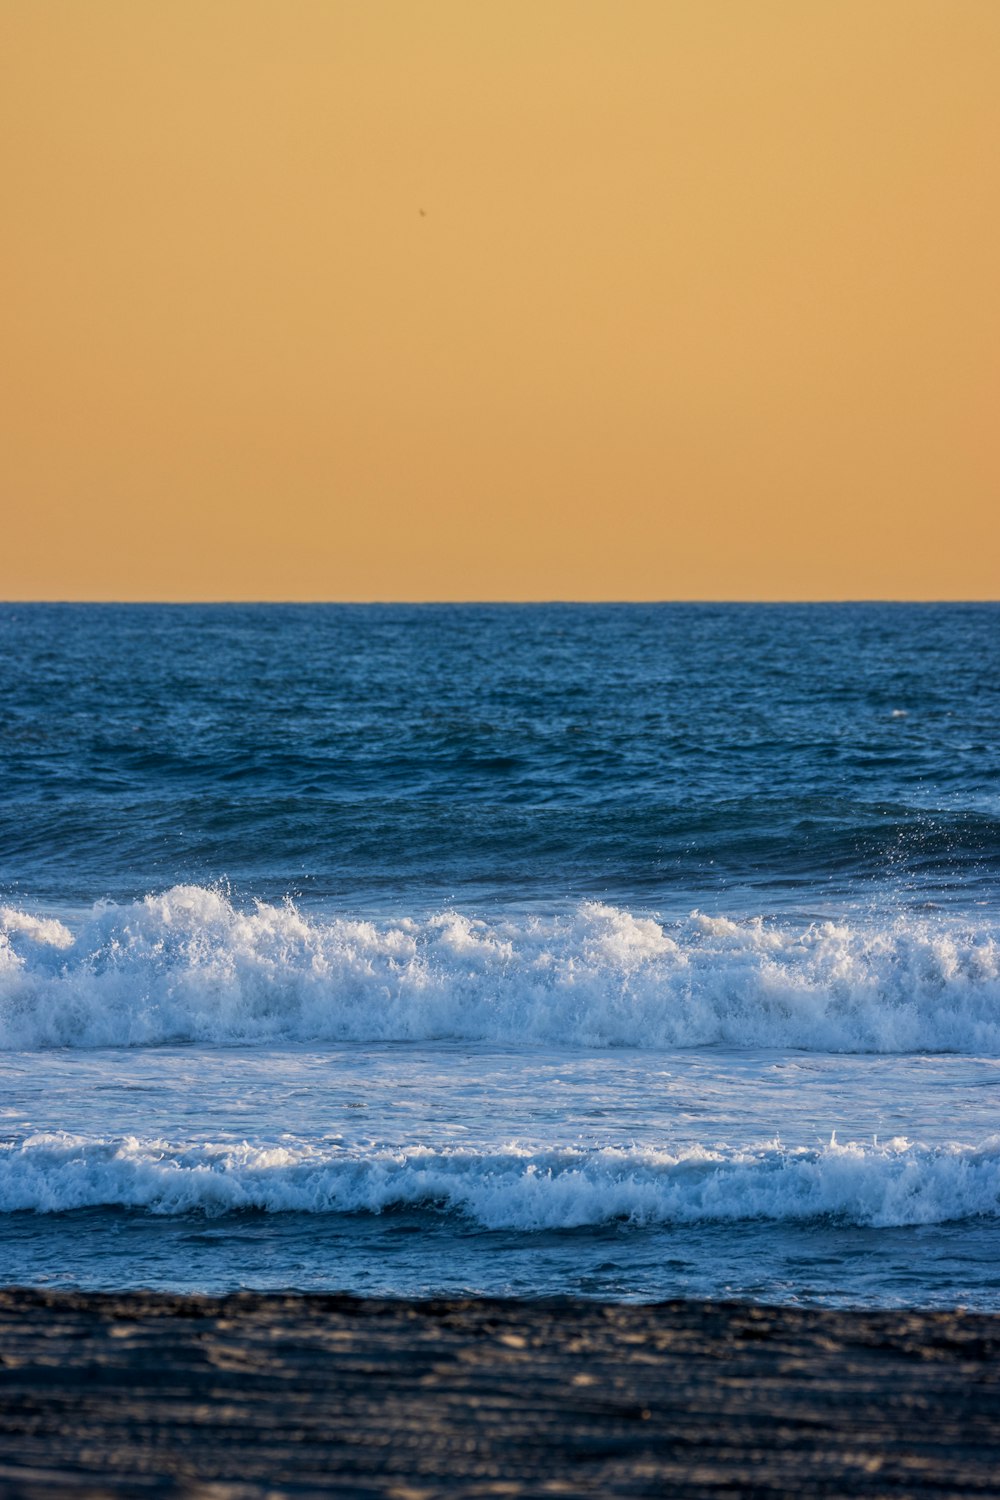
<point x="190" y="966"/>
<point x="880" y="1185"/>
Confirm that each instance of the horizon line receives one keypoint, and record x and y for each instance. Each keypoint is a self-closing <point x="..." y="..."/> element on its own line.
<point x="472" y="603"/>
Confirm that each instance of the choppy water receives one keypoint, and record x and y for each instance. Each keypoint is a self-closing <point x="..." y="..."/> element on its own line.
<point x="626" y="950"/>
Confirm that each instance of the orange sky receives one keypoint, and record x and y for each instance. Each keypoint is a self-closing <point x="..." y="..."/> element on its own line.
<point x="500" y="299"/>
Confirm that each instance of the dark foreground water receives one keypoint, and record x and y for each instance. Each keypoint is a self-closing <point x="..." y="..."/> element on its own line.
<point x="623" y="950"/>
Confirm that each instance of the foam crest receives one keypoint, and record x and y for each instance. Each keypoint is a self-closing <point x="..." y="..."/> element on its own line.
<point x="894" y="1184"/>
<point x="189" y="965"/>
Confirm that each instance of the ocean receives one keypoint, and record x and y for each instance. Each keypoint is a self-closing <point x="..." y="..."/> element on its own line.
<point x="621" y="951"/>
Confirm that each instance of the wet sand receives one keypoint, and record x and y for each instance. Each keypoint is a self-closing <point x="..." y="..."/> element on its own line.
<point x="257" y="1395"/>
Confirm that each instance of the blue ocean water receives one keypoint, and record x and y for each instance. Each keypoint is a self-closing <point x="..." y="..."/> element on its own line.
<point x="625" y="950"/>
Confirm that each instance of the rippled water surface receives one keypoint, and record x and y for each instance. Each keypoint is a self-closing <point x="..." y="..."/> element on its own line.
<point x="626" y="950"/>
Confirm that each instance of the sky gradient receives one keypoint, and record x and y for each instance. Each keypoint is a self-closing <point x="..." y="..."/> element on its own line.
<point x="580" y="299"/>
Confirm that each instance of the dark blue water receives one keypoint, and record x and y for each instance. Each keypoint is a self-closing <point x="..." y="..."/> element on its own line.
<point x="625" y="950"/>
<point x="754" y="755"/>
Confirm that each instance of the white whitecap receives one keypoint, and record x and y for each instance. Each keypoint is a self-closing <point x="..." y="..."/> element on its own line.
<point x="190" y="965"/>
<point x="893" y="1184"/>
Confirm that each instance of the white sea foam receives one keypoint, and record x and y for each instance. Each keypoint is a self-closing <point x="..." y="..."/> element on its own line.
<point x="189" y="965"/>
<point x="881" y="1185"/>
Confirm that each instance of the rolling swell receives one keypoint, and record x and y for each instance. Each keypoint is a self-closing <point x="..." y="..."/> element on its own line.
<point x="190" y="966"/>
<point x="460" y="754"/>
<point x="324" y="839"/>
<point x="894" y="1184"/>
